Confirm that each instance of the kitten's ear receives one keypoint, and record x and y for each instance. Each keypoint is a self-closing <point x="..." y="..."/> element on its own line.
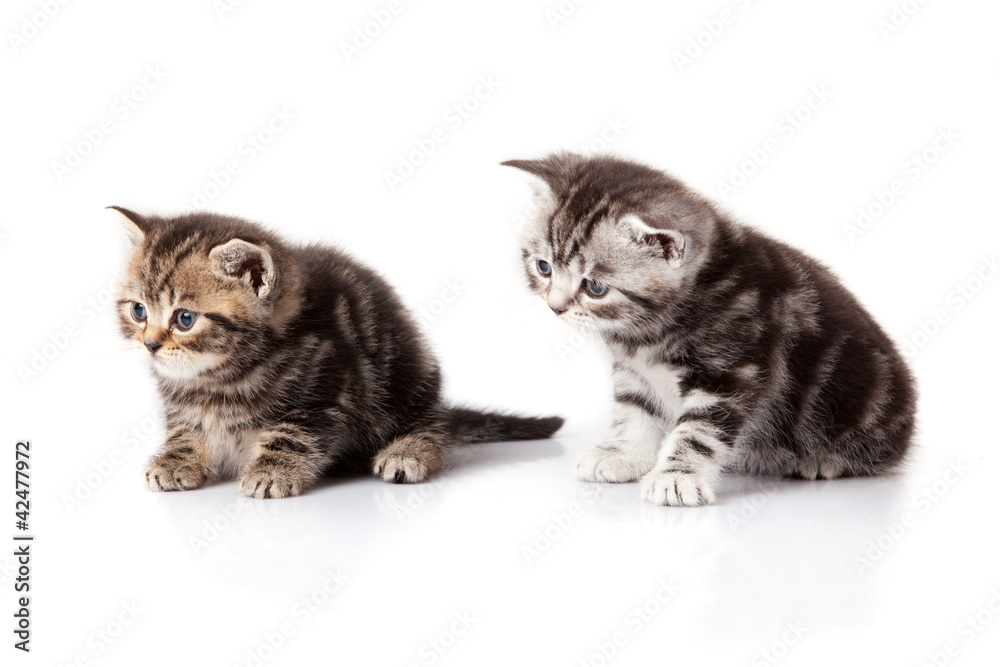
<point x="248" y="263"/>
<point x="547" y="175"/>
<point x="539" y="175"/>
<point x="134" y="224"/>
<point x="671" y="241"/>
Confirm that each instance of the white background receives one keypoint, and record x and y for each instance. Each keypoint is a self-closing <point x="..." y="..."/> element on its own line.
<point x="866" y="571"/>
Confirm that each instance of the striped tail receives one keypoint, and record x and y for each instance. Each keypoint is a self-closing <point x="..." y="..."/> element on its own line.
<point x="470" y="426"/>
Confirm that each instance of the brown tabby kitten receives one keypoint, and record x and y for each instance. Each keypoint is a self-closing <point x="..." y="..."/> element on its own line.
<point x="278" y="363"/>
<point x="732" y="351"/>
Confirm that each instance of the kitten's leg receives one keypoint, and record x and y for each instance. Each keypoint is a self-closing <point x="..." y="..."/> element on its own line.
<point x="288" y="460"/>
<point x="183" y="464"/>
<point x="629" y="451"/>
<point x="693" y="455"/>
<point x="412" y="457"/>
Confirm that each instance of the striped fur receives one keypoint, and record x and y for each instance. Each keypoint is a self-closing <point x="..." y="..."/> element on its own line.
<point x="732" y="351"/>
<point x="300" y="362"/>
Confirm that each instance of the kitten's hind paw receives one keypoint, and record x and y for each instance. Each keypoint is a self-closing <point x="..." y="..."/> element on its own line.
<point x="411" y="458"/>
<point x="399" y="468"/>
<point x="168" y="474"/>
<point x="261" y="482"/>
<point x="678" y="489"/>
<point x="610" y="464"/>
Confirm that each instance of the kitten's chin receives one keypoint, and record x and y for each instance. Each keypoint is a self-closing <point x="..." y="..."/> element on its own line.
<point x="584" y="324"/>
<point x="185" y="368"/>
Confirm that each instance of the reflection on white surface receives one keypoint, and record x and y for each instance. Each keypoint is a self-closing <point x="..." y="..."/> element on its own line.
<point x="507" y="553"/>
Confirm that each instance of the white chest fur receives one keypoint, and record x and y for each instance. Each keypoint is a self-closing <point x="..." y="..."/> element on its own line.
<point x="658" y="381"/>
<point x="230" y="449"/>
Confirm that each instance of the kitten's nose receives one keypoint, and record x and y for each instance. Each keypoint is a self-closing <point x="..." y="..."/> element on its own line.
<point x="153" y="346"/>
<point x="558" y="311"/>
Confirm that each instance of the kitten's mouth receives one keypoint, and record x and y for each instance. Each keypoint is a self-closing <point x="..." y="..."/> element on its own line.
<point x="185" y="368"/>
<point x="578" y="319"/>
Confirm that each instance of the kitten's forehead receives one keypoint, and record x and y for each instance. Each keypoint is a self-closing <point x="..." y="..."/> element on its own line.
<point x="581" y="218"/>
<point x="179" y="268"/>
<point x="165" y="276"/>
<point x="585" y="194"/>
<point x="604" y="242"/>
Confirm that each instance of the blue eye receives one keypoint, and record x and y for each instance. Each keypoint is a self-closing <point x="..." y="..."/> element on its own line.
<point x="595" y="289"/>
<point x="544" y="268"/>
<point x="138" y="312"/>
<point x="185" y="319"/>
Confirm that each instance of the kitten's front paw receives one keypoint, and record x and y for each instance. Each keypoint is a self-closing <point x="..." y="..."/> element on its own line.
<point x="610" y="464"/>
<point x="263" y="482"/>
<point x="399" y="468"/>
<point x="679" y="489"/>
<point x="166" y="474"/>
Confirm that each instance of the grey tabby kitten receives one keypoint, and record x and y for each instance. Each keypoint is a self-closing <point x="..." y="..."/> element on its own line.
<point x="278" y="363"/>
<point x="732" y="351"/>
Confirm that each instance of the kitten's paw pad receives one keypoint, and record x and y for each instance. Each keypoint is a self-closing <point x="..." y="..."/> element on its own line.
<point x="677" y="489"/>
<point x="268" y="483"/>
<point x="171" y="475"/>
<point x="400" y="468"/>
<point x="608" y="464"/>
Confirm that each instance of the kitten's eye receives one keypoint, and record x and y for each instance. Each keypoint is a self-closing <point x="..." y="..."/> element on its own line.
<point x="138" y="312"/>
<point x="544" y="268"/>
<point x="595" y="289"/>
<point x="184" y="319"/>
